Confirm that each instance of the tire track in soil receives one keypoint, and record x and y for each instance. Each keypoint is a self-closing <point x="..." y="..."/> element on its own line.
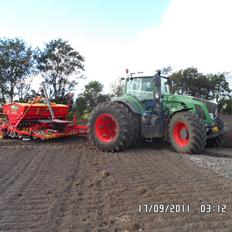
<point x="131" y="182"/>
<point x="55" y="144"/>
<point x="57" y="213"/>
<point x="59" y="194"/>
<point x="124" y="197"/>
<point x="71" y="211"/>
<point x="146" y="169"/>
<point x="178" y="177"/>
<point x="67" y="193"/>
<point x="142" y="165"/>
<point x="38" y="161"/>
<point x="14" y="202"/>
<point x="13" y="172"/>
<point x="85" y="206"/>
<point x="12" y="159"/>
<point x="99" y="198"/>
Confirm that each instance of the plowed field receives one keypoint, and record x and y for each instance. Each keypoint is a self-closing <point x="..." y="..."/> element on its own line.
<point x="68" y="185"/>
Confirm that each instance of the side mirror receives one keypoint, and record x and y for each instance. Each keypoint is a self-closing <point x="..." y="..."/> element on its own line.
<point x="122" y="78"/>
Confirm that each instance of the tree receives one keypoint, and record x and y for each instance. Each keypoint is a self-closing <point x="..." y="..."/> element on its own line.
<point x="80" y="105"/>
<point x="2" y="85"/>
<point x="225" y="106"/>
<point x="166" y="70"/>
<point x="220" y="86"/>
<point x="191" y="82"/>
<point x="117" y="87"/>
<point x="91" y="97"/>
<point x="24" y="89"/>
<point x="16" y="67"/>
<point x="60" y="66"/>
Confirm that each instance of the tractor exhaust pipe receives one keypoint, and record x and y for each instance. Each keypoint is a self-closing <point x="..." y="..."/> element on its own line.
<point x="157" y="97"/>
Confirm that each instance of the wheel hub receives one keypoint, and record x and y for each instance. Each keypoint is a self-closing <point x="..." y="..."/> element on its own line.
<point x="106" y="128"/>
<point x="181" y="134"/>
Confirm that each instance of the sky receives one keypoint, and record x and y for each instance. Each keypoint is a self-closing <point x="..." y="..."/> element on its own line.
<point x="135" y="34"/>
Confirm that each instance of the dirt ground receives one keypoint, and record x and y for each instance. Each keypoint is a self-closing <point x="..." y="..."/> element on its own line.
<point x="219" y="160"/>
<point x="68" y="185"/>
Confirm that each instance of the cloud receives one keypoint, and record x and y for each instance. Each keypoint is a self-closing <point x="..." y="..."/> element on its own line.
<point x="105" y="58"/>
<point x="191" y="33"/>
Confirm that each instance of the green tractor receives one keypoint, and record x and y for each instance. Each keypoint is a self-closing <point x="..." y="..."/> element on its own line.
<point x="148" y="111"/>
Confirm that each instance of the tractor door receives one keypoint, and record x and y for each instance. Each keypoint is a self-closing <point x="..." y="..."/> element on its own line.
<point x="142" y="88"/>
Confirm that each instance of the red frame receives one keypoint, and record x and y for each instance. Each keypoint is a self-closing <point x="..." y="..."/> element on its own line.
<point x="42" y="130"/>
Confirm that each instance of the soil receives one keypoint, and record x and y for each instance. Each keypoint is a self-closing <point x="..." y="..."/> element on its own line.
<point x="219" y="160"/>
<point x="68" y="185"/>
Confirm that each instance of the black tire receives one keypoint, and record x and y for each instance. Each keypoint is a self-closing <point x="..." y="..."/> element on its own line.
<point x="214" y="142"/>
<point x="136" y="142"/>
<point x="219" y="122"/>
<point x="124" y="120"/>
<point x="195" y="133"/>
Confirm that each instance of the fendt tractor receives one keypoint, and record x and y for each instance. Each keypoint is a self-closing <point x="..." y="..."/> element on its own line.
<point x="147" y="111"/>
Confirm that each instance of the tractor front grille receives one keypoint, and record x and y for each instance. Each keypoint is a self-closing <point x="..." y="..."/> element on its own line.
<point x="211" y="106"/>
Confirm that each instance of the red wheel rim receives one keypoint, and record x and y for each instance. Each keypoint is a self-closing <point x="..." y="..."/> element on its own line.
<point x="181" y="134"/>
<point x="106" y="128"/>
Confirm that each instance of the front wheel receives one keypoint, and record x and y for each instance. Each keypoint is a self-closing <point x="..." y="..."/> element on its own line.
<point x="214" y="142"/>
<point x="187" y="133"/>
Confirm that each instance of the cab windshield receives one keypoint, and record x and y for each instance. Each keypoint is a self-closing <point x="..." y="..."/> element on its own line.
<point x="143" y="87"/>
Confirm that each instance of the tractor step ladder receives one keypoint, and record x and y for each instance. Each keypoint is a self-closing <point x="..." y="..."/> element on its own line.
<point x="149" y="140"/>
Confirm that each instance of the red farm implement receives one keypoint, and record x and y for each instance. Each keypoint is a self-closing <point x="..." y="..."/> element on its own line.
<point x="38" y="120"/>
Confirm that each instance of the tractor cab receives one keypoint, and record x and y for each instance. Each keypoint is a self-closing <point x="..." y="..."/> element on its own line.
<point x="146" y="90"/>
<point x="149" y="92"/>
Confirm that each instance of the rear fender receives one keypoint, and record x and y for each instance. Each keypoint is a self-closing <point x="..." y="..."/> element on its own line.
<point x="132" y="107"/>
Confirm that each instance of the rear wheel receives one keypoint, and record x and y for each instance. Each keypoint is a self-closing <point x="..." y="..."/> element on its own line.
<point x="136" y="130"/>
<point x="110" y="127"/>
<point x="187" y="133"/>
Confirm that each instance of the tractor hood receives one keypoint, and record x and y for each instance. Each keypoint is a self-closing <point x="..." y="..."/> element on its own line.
<point x="178" y="98"/>
<point x="189" y="101"/>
